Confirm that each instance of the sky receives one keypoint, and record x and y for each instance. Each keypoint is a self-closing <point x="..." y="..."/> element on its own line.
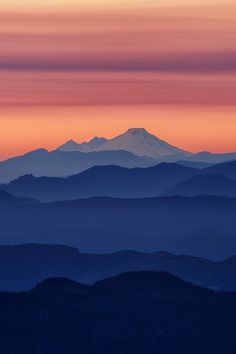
<point x="77" y="69"/>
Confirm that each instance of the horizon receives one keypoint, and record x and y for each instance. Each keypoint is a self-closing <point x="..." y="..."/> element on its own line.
<point x="81" y="141"/>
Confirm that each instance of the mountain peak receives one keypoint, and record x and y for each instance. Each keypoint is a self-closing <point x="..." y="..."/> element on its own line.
<point x="24" y="178"/>
<point x="152" y="283"/>
<point x="136" y="131"/>
<point x="70" y="145"/>
<point x="142" y="143"/>
<point x="95" y="143"/>
<point x="135" y="140"/>
<point x="59" y="284"/>
<point x="97" y="139"/>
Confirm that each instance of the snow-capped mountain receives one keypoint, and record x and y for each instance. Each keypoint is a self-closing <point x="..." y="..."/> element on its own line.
<point x="136" y="140"/>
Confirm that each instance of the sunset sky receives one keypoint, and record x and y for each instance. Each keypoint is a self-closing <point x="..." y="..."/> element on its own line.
<point x="79" y="68"/>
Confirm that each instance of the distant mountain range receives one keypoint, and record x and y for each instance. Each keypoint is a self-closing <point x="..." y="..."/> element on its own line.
<point x="144" y="312"/>
<point x="23" y="266"/>
<point x="113" y="181"/>
<point x="212" y="158"/>
<point x="134" y="148"/>
<point x="202" y="226"/>
<point x="59" y="163"/>
<point x="80" y="232"/>
<point x="142" y="143"/>
<point x="136" y="140"/>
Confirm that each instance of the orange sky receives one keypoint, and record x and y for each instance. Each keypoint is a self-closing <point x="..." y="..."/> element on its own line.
<point x="97" y="72"/>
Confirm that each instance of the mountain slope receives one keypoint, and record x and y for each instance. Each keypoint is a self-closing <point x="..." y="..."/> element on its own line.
<point x="5" y="197"/>
<point x="199" y="165"/>
<point x="112" y="181"/>
<point x="227" y="169"/>
<point x="136" y="140"/>
<point x="6" y="200"/>
<point x="210" y="184"/>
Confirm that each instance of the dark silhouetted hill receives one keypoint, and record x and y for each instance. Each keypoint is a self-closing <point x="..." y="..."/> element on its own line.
<point x="149" y="313"/>
<point x="153" y="284"/>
